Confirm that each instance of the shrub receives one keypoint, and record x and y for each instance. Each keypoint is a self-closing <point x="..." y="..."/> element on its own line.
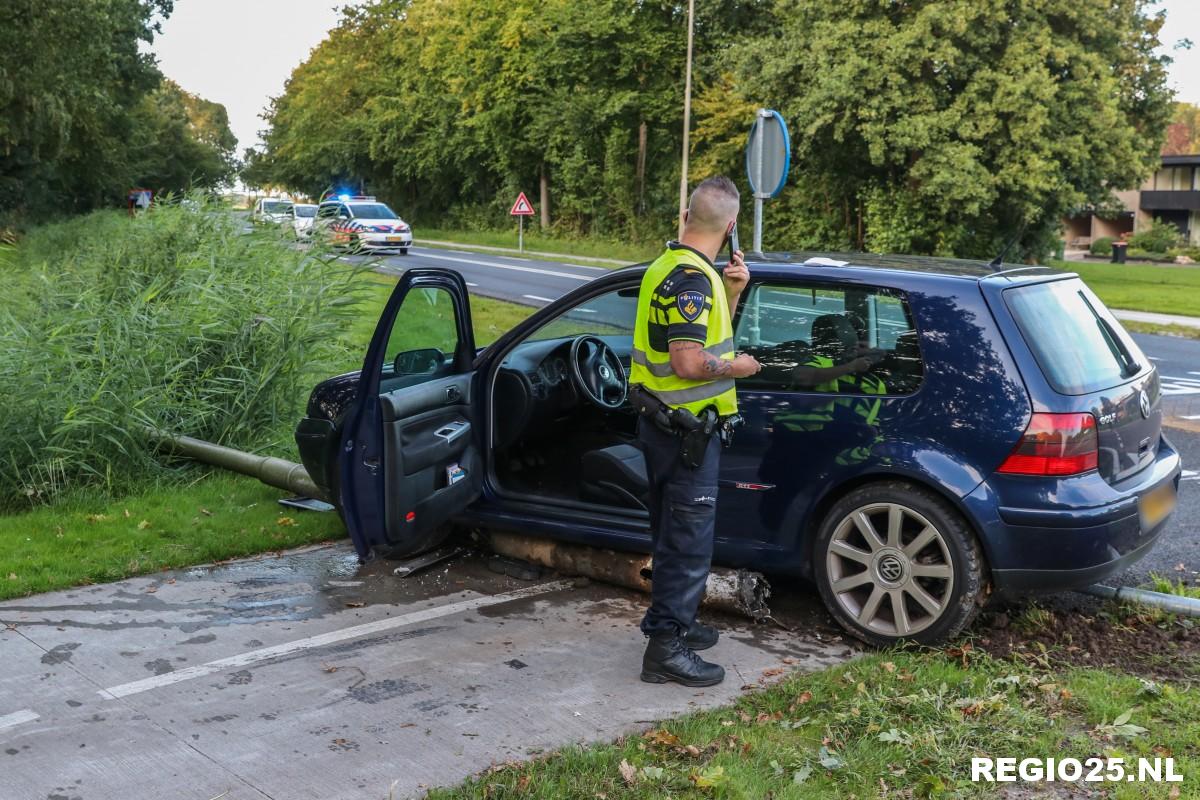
<point x="1135" y="254"/>
<point x="1158" y="238"/>
<point x="177" y="320"/>
<point x="1102" y="246"/>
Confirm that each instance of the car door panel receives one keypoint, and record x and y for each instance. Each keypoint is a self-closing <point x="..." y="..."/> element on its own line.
<point x="410" y="454"/>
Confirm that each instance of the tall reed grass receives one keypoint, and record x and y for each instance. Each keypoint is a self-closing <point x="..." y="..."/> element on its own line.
<point x="178" y="319"/>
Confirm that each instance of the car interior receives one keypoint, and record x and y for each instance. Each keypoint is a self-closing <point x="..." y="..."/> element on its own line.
<point x="563" y="427"/>
<point x="560" y="432"/>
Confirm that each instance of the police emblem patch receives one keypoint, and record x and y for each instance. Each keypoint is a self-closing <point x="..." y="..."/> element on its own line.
<point x="690" y="304"/>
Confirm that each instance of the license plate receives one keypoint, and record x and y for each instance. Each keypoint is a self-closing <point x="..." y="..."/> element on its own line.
<point x="1156" y="505"/>
<point x="395" y="238"/>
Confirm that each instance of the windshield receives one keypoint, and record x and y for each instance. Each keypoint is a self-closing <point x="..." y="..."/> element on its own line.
<point x="306" y="211"/>
<point x="1079" y="345"/>
<point x="276" y="207"/>
<point x="372" y="211"/>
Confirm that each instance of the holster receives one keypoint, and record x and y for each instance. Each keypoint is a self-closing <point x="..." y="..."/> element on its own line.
<point x="693" y="432"/>
<point x="694" y="443"/>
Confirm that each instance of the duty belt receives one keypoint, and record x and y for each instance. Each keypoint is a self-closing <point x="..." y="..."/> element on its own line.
<point x="680" y="421"/>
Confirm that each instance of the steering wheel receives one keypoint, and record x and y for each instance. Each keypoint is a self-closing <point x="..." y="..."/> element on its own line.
<point x="597" y="372"/>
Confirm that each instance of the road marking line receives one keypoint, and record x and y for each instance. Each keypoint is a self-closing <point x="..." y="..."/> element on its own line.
<point x="17" y="718"/>
<point x="536" y="297"/>
<point x="553" y="273"/>
<point x="320" y="640"/>
<point x="1191" y="416"/>
<point x="1189" y="475"/>
<point x="1153" y="358"/>
<point x="472" y="284"/>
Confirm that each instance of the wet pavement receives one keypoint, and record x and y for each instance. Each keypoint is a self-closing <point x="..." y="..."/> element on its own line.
<point x="306" y="676"/>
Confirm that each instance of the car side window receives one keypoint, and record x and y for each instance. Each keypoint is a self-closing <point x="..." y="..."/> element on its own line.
<point x="813" y="338"/>
<point x="423" y="338"/>
<point x="327" y="212"/>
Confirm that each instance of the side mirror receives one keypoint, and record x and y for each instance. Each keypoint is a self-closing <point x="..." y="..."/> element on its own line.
<point x="419" y="362"/>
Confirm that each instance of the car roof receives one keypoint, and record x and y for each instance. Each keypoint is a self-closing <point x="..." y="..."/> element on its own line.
<point x="961" y="268"/>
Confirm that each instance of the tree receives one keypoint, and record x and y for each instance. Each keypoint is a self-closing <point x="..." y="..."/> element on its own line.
<point x="450" y="107"/>
<point x="71" y="76"/>
<point x="180" y="141"/>
<point x="946" y="127"/>
<point x="1183" y="134"/>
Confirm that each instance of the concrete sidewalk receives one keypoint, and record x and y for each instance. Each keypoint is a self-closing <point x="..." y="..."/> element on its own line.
<point x="306" y="676"/>
<point x="1158" y="319"/>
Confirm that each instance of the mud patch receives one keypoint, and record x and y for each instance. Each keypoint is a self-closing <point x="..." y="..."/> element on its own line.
<point x="60" y="654"/>
<point x="203" y="638"/>
<point x="1135" y="643"/>
<point x="379" y="691"/>
<point x="218" y="718"/>
<point x="159" y="666"/>
<point x="240" y="678"/>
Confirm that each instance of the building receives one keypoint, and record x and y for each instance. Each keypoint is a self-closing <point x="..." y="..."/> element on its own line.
<point x="1171" y="194"/>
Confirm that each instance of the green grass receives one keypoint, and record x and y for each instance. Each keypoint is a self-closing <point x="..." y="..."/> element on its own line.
<point x="1184" y="331"/>
<point x="580" y="247"/>
<point x="1161" y="289"/>
<point x="897" y="724"/>
<point x="215" y="517"/>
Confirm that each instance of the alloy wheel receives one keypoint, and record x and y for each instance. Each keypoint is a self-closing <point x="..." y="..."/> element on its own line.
<point x="890" y="569"/>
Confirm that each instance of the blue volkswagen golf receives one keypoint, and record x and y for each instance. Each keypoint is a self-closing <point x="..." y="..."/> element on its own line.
<point x="924" y="432"/>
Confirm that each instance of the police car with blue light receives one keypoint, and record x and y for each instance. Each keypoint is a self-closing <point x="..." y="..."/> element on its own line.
<point x="361" y="223"/>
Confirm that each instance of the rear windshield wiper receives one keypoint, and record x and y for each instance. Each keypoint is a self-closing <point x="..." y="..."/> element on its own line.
<point x="1128" y="365"/>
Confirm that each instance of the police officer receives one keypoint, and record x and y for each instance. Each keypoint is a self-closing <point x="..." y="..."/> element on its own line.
<point x="683" y="359"/>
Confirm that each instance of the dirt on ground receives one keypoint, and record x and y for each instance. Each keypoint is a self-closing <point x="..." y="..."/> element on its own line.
<point x="1132" y="640"/>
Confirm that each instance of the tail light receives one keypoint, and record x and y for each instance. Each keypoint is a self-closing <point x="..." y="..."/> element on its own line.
<point x="1055" y="444"/>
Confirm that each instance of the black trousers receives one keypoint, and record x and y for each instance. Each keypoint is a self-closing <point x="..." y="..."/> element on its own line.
<point x="683" y="510"/>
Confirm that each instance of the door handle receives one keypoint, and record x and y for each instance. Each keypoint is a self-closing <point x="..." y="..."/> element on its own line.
<point x="453" y="395"/>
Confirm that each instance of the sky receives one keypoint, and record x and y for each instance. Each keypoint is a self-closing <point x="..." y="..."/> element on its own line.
<point x="240" y="52"/>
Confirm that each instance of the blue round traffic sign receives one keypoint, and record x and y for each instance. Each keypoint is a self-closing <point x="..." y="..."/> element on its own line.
<point x="768" y="154"/>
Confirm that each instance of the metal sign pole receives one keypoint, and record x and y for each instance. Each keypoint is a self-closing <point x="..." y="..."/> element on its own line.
<point x="758" y="180"/>
<point x="521" y="234"/>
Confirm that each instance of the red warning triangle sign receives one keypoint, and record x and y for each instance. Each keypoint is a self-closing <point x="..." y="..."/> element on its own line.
<point x="521" y="208"/>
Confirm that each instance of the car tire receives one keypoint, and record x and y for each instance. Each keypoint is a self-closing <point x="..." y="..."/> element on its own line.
<point x="403" y="251"/>
<point x="921" y="554"/>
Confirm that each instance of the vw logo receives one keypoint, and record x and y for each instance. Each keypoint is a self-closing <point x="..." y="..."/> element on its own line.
<point x="1144" y="402"/>
<point x="605" y="372"/>
<point x="890" y="568"/>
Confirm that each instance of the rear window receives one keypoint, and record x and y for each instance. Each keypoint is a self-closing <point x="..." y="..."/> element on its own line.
<point x="306" y="211"/>
<point x="275" y="207"/>
<point x="1078" y="344"/>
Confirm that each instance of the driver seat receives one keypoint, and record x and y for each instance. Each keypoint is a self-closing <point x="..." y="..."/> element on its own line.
<point x="616" y="475"/>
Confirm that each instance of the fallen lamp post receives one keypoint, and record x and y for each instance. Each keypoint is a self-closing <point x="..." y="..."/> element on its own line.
<point x="736" y="591"/>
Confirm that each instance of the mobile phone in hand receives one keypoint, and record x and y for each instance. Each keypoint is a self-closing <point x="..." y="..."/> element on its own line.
<point x="734" y="246"/>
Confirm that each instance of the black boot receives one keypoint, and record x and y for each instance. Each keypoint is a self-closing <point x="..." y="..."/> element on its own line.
<point x="701" y="636"/>
<point x="667" y="658"/>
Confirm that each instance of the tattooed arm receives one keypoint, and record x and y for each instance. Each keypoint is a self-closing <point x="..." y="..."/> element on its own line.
<point x="688" y="360"/>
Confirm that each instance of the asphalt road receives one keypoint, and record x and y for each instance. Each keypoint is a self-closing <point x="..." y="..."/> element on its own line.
<point x="1178" y="362"/>
<point x="519" y="280"/>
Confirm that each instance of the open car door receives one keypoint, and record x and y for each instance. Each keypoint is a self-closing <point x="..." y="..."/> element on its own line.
<point x="410" y="452"/>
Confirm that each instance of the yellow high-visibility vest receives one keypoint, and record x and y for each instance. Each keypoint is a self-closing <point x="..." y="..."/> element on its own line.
<point x="651" y="363"/>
